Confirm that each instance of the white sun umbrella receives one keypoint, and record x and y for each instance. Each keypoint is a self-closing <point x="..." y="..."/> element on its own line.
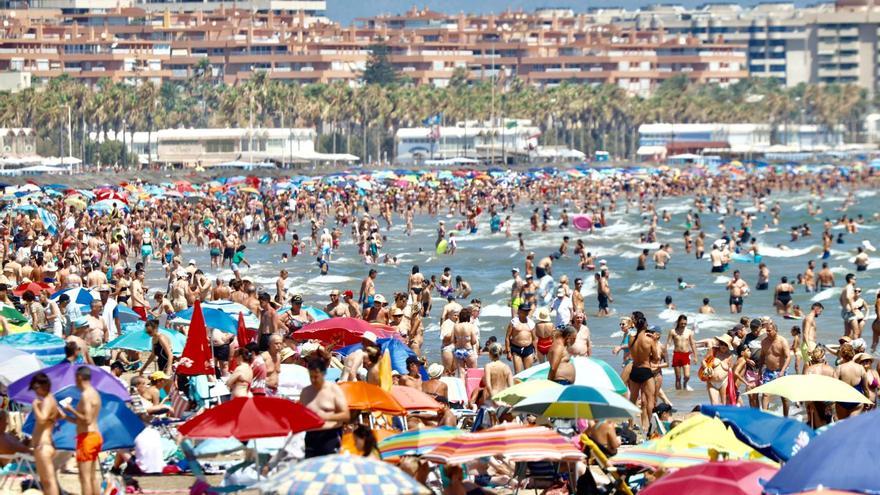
<point x="588" y="371"/>
<point x="16" y="364"/>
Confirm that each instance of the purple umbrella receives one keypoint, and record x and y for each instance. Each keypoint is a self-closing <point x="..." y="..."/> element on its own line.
<point x="64" y="375"/>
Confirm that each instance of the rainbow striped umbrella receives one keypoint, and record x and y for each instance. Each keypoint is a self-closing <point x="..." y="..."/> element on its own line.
<point x="416" y="442"/>
<point x="342" y="475"/>
<point x="587" y="371"/>
<point x="514" y="442"/>
<point x="578" y="402"/>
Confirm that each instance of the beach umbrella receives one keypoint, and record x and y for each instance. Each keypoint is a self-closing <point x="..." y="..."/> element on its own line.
<point x="246" y="418"/>
<point x="139" y="340"/>
<point x="416" y="442"/>
<point x="578" y="401"/>
<point x="397" y="352"/>
<point x="514" y="442"/>
<point x="589" y="371"/>
<point x="197" y="355"/>
<point x="108" y="205"/>
<point x="35" y="287"/>
<point x="63" y="375"/>
<point x="776" y="437"/>
<point x="518" y="392"/>
<point x="45" y="346"/>
<point x="75" y="202"/>
<point x="77" y="295"/>
<point x="717" y="478"/>
<point x="414" y="399"/>
<point x="16" y="364"/>
<point x="316" y="313"/>
<point x="217" y="446"/>
<point x="214" y="312"/>
<point x="363" y="396"/>
<point x="694" y="441"/>
<point x="806" y="388"/>
<point x="117" y="424"/>
<point x="342" y="475"/>
<point x="10" y="313"/>
<point x="344" y="331"/>
<point x="111" y="195"/>
<point x="841" y="458"/>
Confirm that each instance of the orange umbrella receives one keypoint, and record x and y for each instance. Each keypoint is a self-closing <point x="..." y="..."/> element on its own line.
<point x="363" y="396"/>
<point x="414" y="400"/>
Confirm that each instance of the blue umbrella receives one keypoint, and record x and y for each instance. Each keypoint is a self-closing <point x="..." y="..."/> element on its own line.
<point x="46" y="346"/>
<point x="317" y="314"/>
<point x="776" y="437"/>
<point x="77" y="295"/>
<point x="117" y="423"/>
<point x="842" y="458"/>
<point x="214" y="318"/>
<point x="63" y="375"/>
<point x="139" y="340"/>
<point x="397" y="350"/>
<point x="125" y="314"/>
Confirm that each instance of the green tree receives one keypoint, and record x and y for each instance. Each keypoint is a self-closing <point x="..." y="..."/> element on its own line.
<point x="379" y="69"/>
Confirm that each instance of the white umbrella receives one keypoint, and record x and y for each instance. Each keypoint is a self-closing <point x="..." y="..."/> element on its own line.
<point x="16" y="364"/>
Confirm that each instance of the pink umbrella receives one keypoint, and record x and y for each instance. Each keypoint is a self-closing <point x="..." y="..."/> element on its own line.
<point x="716" y="478"/>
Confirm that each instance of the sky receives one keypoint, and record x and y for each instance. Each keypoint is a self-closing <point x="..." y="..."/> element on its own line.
<point x="345" y="11"/>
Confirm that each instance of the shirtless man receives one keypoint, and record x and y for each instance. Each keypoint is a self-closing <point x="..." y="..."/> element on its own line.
<point x="354" y="310"/>
<point x="519" y="341"/>
<point x="326" y="400"/>
<point x="683" y="348"/>
<point x="496" y="374"/>
<point x="717" y="259"/>
<point x="280" y="287"/>
<point x="272" y="360"/>
<point x="810" y="277"/>
<point x="661" y="258"/>
<point x="809" y="333"/>
<point x="738" y="288"/>
<point x="706" y="308"/>
<point x="270" y="323"/>
<point x="603" y="294"/>
<point x="561" y="369"/>
<point x="336" y="309"/>
<point x="643" y="350"/>
<point x="355" y="359"/>
<point x="775" y="358"/>
<point x="861" y="260"/>
<point x="368" y="290"/>
<point x="450" y="307"/>
<point x="138" y="295"/>
<point x="412" y="378"/>
<point x="464" y="338"/>
<point x="88" y="437"/>
<point x="544" y="330"/>
<point x="583" y="345"/>
<point x="826" y="277"/>
<point x="763" y="277"/>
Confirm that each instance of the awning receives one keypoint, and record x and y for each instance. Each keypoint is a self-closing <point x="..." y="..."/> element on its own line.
<point x="651" y="150"/>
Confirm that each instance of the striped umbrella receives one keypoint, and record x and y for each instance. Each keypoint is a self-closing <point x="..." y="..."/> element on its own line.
<point x="578" y="401"/>
<point x="514" y="442"/>
<point x="416" y="442"/>
<point x="342" y="475"/>
<point x="513" y="395"/>
<point x="589" y="371"/>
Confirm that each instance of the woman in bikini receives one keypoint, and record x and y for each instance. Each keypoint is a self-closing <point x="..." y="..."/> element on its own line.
<point x="717" y="385"/>
<point x="47" y="413"/>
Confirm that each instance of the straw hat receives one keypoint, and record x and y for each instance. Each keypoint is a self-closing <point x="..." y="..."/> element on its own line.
<point x="435" y="370"/>
<point x="543" y="316"/>
<point x="862" y="356"/>
<point x="726" y="340"/>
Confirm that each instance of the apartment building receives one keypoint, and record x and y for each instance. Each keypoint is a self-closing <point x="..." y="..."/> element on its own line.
<point x="313" y="8"/>
<point x="136" y="44"/>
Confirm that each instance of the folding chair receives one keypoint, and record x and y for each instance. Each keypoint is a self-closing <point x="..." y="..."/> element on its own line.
<point x="19" y="465"/>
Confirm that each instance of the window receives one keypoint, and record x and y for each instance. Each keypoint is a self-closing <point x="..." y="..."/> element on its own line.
<point x="219" y="147"/>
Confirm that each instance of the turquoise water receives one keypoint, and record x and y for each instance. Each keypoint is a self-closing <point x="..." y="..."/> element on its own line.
<point x="485" y="260"/>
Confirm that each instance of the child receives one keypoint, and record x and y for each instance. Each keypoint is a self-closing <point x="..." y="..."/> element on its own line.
<point x="795" y="347"/>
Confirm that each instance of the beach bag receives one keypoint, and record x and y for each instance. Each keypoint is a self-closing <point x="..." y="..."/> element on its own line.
<point x="706" y="368"/>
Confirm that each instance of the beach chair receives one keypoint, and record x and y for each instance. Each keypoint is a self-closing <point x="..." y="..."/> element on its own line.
<point x="18" y="465"/>
<point x="539" y="475"/>
<point x="657" y="428"/>
<point x="601" y="459"/>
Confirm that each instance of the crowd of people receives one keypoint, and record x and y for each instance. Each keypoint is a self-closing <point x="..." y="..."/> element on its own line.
<point x="110" y="253"/>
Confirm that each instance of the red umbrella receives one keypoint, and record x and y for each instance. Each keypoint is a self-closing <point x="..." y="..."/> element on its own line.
<point x="108" y="194"/>
<point x="197" y="356"/>
<point x="717" y="478"/>
<point x="246" y="418"/>
<point x="342" y="331"/>
<point x="35" y="287"/>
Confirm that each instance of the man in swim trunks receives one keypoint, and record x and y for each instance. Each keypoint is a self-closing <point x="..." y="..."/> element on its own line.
<point x="737" y="287"/>
<point x="544" y="329"/>
<point x="643" y="350"/>
<point x="464" y="339"/>
<point x="683" y="347"/>
<point x="809" y="333"/>
<point x="520" y="339"/>
<point x="775" y="357"/>
<point x="88" y="437"/>
<point x="561" y="369"/>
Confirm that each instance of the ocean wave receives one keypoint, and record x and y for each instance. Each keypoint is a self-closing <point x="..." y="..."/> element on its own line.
<point x="826" y="294"/>
<point x="775" y="252"/>
<point x="642" y="286"/>
<point x="331" y="279"/>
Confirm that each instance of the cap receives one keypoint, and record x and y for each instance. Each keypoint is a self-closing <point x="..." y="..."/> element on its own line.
<point x="369" y="336"/>
<point x="525" y="307"/>
<point x="380" y="299"/>
<point x="308" y="348"/>
<point x="844" y="340"/>
<point x="543" y="315"/>
<point x="863" y="356"/>
<point x="192" y="261"/>
<point x="515" y="269"/>
<point x="413" y="360"/>
<point x="159" y="375"/>
<point x="81" y="322"/>
<point x="296" y="299"/>
<point x="435" y="370"/>
<point x="348" y="294"/>
<point x="63" y="298"/>
<point x="334" y="292"/>
<point x="858" y="344"/>
<point x="50" y="267"/>
<point x="396" y="311"/>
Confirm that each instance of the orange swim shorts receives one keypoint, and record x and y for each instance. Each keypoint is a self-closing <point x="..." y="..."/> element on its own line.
<point x="88" y="446"/>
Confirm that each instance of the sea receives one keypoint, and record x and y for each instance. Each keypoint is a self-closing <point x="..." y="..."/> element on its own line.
<point x="485" y="260"/>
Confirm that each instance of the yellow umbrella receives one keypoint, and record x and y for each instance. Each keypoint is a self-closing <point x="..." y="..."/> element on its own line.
<point x="76" y="202"/>
<point x="518" y="392"/>
<point x="248" y="190"/>
<point x="696" y="440"/>
<point x="13" y="328"/>
<point x="805" y="388"/>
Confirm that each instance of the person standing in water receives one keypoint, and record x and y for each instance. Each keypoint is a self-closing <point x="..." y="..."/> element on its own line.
<point x="683" y="347"/>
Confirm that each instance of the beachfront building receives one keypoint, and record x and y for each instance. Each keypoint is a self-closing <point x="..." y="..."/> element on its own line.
<point x="315" y="8"/>
<point x="136" y="44"/>
<point x="508" y="141"/>
<point x="663" y="141"/>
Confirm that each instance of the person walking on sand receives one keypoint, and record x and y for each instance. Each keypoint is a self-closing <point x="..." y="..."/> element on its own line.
<point x="46" y="414"/>
<point x="88" y="439"/>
